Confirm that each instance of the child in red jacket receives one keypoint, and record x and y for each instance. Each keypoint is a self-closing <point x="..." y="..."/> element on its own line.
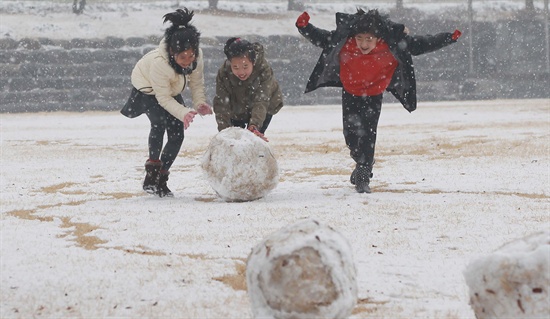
<point x="366" y="55"/>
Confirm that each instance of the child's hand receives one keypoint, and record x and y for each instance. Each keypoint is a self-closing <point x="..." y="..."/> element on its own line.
<point x="253" y="129"/>
<point x="188" y="119"/>
<point x="204" y="109"/>
<point x="303" y="20"/>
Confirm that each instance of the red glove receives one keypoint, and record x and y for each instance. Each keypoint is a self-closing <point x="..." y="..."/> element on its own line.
<point x="253" y="129"/>
<point x="303" y="20"/>
<point x="188" y="119"/>
<point x="456" y="35"/>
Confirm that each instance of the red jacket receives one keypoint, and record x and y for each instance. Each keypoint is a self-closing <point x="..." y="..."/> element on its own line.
<point x="366" y="74"/>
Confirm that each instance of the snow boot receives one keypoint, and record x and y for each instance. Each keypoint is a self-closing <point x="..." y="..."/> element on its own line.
<point x="362" y="178"/>
<point x="163" y="190"/>
<point x="152" y="171"/>
<point x="354" y="173"/>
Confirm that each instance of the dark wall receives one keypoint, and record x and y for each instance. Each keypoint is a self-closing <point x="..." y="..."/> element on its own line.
<point x="509" y="61"/>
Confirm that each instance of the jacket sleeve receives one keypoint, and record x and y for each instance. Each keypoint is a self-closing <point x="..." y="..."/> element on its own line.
<point x="222" y="102"/>
<point x="428" y="43"/>
<point x="196" y="83"/>
<point x="161" y="75"/>
<point x="319" y="37"/>
<point x="394" y="30"/>
<point x="262" y="95"/>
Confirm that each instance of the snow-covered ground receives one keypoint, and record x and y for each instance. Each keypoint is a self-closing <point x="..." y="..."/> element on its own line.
<point x="453" y="181"/>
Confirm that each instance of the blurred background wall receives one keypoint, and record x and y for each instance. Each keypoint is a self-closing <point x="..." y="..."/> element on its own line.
<point x="503" y="54"/>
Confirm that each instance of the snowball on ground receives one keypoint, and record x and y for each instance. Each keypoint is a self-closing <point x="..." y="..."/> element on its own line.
<point x="240" y="166"/>
<point x="512" y="282"/>
<point x="304" y="270"/>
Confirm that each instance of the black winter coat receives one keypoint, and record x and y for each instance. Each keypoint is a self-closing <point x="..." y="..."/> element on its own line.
<point x="402" y="46"/>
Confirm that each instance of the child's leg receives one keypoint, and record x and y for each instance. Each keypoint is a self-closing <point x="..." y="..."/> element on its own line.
<point x="360" y="121"/>
<point x="370" y="116"/>
<point x="157" y="117"/>
<point x="351" y="122"/>
<point x="175" y="133"/>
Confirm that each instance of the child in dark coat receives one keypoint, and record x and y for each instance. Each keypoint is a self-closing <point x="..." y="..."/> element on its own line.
<point x="366" y="55"/>
<point x="247" y="93"/>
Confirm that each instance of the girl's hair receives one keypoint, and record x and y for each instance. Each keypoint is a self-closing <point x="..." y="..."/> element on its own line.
<point x="181" y="36"/>
<point x="368" y="22"/>
<point x="237" y="47"/>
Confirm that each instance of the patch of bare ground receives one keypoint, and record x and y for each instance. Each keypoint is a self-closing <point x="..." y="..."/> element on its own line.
<point x="81" y="232"/>
<point x="325" y="148"/>
<point x="28" y="214"/>
<point x="236" y="281"/>
<point x="367" y="306"/>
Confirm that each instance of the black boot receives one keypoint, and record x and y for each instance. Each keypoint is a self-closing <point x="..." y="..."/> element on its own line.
<point x="362" y="178"/>
<point x="163" y="190"/>
<point x="354" y="173"/>
<point x="152" y="170"/>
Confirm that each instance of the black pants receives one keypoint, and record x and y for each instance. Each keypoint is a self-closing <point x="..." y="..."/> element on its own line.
<point x="360" y="115"/>
<point x="243" y="124"/>
<point x="162" y="121"/>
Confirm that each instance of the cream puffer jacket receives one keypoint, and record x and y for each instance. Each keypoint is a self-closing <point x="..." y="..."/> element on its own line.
<point x="153" y="75"/>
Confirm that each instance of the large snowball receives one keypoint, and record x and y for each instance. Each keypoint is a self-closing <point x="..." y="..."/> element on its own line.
<point x="512" y="282"/>
<point x="305" y="270"/>
<point x="239" y="165"/>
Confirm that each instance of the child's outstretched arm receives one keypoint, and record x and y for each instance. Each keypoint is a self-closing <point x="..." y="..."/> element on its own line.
<point x="318" y="37"/>
<point x="428" y="43"/>
<point x="260" y="100"/>
<point x="221" y="104"/>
